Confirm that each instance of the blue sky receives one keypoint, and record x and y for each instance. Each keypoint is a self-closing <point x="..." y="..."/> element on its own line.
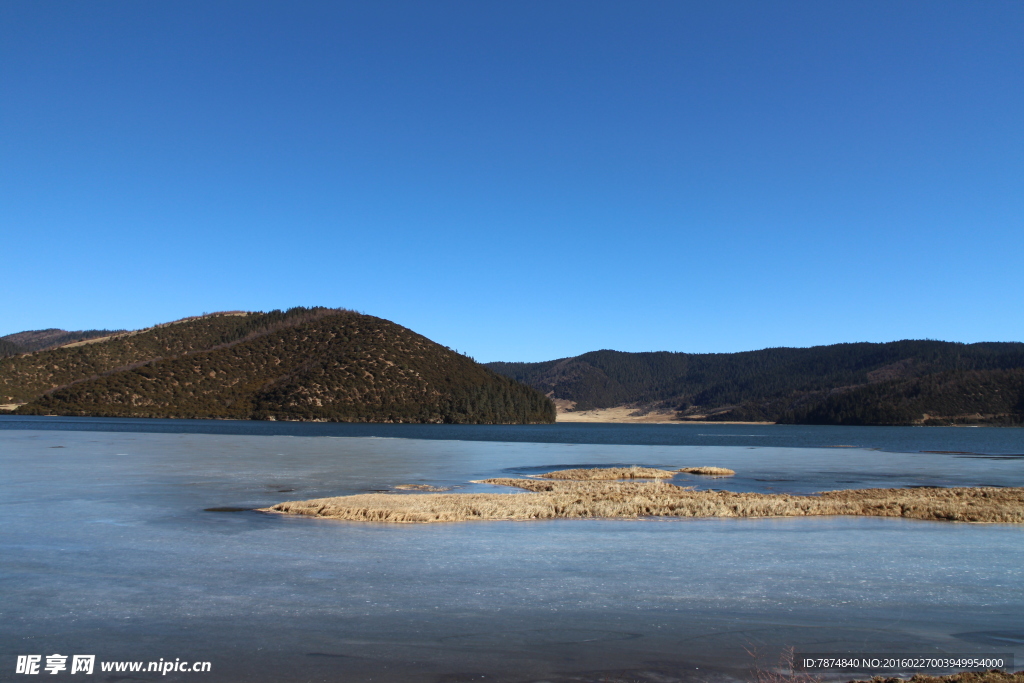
<point x="520" y="180"/>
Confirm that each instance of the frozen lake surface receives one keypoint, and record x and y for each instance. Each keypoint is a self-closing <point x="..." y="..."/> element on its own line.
<point x="106" y="549"/>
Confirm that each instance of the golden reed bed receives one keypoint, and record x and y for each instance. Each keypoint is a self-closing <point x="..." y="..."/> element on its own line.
<point x="555" y="498"/>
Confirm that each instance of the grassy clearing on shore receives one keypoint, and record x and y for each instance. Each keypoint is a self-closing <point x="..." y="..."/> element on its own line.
<point x="554" y="499"/>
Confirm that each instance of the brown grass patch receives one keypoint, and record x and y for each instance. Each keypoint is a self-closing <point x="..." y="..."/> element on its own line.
<point x="606" y="473"/>
<point x="708" y="471"/>
<point x="554" y="499"/>
<point x="992" y="676"/>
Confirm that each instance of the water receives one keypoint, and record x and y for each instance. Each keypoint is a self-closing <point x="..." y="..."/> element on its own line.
<point x="982" y="440"/>
<point x="106" y="549"/>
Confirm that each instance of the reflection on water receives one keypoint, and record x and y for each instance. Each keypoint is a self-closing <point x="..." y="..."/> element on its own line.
<point x="106" y="548"/>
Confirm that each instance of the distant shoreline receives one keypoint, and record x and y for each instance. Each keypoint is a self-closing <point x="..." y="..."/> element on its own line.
<point x="622" y="415"/>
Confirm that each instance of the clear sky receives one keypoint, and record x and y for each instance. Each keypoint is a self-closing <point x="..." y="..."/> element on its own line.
<point x="520" y="180"/>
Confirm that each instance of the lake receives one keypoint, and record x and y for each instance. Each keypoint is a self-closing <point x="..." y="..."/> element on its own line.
<point x="106" y="548"/>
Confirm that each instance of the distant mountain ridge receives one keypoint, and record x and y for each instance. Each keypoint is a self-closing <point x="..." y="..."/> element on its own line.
<point x="38" y="340"/>
<point x="863" y="383"/>
<point x="301" y="364"/>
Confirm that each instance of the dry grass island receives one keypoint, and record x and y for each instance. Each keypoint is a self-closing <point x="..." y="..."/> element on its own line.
<point x="579" y="494"/>
<point x="615" y="473"/>
<point x="422" y="487"/>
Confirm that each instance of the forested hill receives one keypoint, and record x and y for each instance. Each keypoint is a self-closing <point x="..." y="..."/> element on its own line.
<point x="788" y="383"/>
<point x="300" y="364"/>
